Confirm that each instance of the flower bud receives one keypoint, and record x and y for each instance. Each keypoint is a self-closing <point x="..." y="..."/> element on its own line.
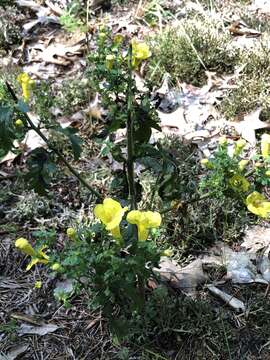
<point x="167" y="252"/>
<point x="242" y="164"/>
<point x="71" y="233"/>
<point x="38" y="285"/>
<point x="19" y="123"/>
<point x="205" y="162"/>
<point x="56" y="267"/>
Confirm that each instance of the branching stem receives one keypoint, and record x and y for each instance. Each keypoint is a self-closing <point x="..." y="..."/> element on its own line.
<point x="55" y="150"/>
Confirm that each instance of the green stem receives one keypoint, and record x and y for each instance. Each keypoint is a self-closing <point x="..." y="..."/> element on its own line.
<point x="130" y="137"/>
<point x="55" y="150"/>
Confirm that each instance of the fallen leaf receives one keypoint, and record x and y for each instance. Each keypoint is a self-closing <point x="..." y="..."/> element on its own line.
<point x="42" y="330"/>
<point x="247" y="127"/>
<point x="186" y="279"/>
<point x="256" y="238"/>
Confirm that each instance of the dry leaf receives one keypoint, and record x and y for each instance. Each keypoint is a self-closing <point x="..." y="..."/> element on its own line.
<point x="187" y="278"/>
<point x="256" y="238"/>
<point x="247" y="127"/>
<point x="42" y="330"/>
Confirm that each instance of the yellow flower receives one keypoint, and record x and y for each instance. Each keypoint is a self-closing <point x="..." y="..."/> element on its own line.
<point x="140" y="52"/>
<point x="258" y="205"/>
<point x="265" y="145"/>
<point x="111" y="213"/>
<point x="38" y="284"/>
<point x="239" y="146"/>
<point x="26" y="83"/>
<point x="267" y="173"/>
<point x="223" y="140"/>
<point x="24" y="245"/>
<point x="109" y="61"/>
<point x="38" y="256"/>
<point x="19" y="123"/>
<point x="144" y="220"/>
<point x="239" y="183"/>
<point x="168" y="252"/>
<point x="242" y="164"/>
<point x="56" y="267"/>
<point x="71" y="233"/>
<point x="207" y="163"/>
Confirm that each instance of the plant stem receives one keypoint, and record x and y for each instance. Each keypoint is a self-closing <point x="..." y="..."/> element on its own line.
<point x="55" y="150"/>
<point x="130" y="139"/>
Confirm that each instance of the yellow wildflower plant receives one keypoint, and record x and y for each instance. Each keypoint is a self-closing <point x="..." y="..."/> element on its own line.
<point x="38" y="256"/>
<point x="239" y="183"/>
<point x="144" y="220"/>
<point x="26" y="83"/>
<point x="140" y="52"/>
<point x="258" y="204"/>
<point x="111" y="213"/>
<point x="242" y="164"/>
<point x="265" y="145"/>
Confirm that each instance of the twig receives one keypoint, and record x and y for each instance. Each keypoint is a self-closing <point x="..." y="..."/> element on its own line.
<point x="55" y="150"/>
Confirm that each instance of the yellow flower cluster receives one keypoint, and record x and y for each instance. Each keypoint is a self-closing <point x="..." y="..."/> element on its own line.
<point x="27" y="84"/>
<point x="140" y="52"/>
<point x="111" y="213"/>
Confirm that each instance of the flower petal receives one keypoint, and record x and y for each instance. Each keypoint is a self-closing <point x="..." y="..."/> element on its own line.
<point x="24" y="245"/>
